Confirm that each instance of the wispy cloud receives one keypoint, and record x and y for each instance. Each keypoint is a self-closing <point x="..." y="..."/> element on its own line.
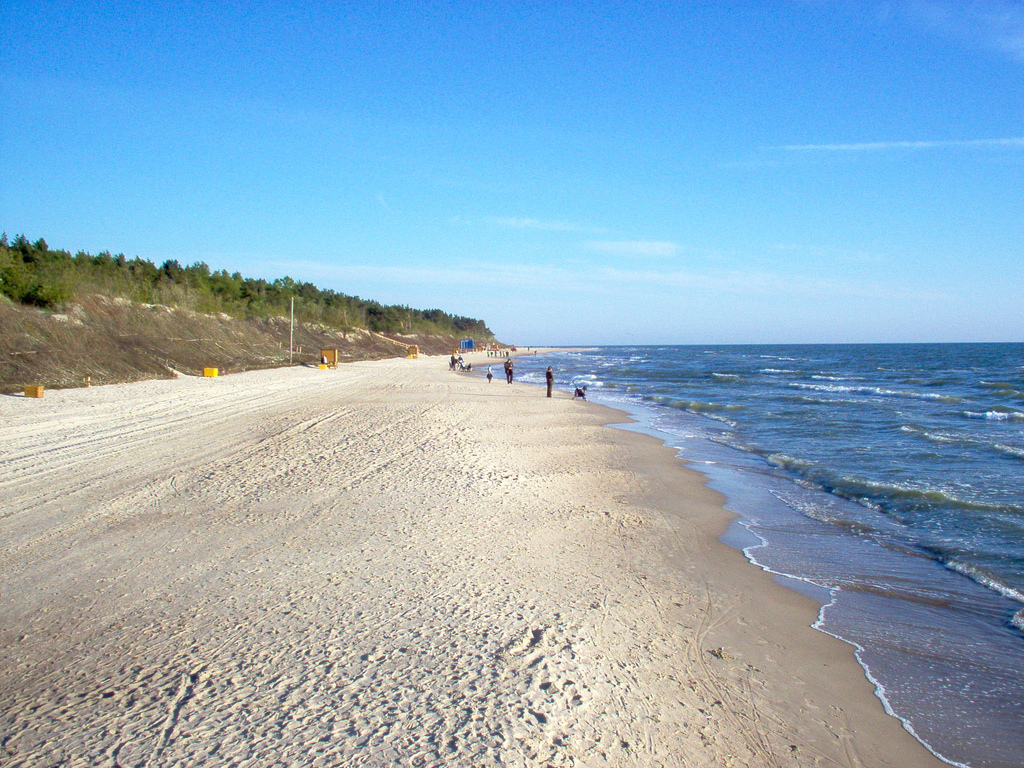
<point x="643" y="248"/>
<point x="993" y="24"/>
<point x="509" y="222"/>
<point x="606" y="280"/>
<point x="880" y="146"/>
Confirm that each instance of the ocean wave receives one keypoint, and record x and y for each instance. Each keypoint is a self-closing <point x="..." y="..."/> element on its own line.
<point x="820" y="400"/>
<point x="875" y="494"/>
<point x="859" y="488"/>
<point x="696" y="407"/>
<point x="1009" y="450"/>
<point x="997" y="413"/>
<point x="822" y="513"/>
<point x="1003" y="389"/>
<point x="777" y="370"/>
<point x="878" y="391"/>
<point x="986" y="579"/>
<point x="789" y="462"/>
<point x="725" y="378"/>
<point x="943" y="438"/>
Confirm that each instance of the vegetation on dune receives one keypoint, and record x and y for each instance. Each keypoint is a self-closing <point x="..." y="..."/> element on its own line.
<point x="32" y="273"/>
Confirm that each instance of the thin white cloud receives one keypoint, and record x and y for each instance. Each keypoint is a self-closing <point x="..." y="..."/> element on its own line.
<point x="643" y="248"/>
<point x="509" y="222"/>
<point x="881" y="146"/>
<point x="600" y="280"/>
<point x="993" y="24"/>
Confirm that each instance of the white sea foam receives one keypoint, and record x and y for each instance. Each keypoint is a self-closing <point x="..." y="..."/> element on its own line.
<point x="788" y="462"/>
<point x="877" y="391"/>
<point x="1009" y="450"/>
<point x="986" y="579"/>
<point x="995" y="415"/>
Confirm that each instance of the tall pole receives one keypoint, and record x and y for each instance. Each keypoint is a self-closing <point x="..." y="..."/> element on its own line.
<point x="291" y="333"/>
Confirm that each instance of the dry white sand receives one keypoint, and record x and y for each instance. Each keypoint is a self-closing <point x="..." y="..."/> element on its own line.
<point x="391" y="564"/>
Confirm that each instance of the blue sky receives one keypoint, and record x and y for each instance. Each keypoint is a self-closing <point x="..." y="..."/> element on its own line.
<point x="601" y="173"/>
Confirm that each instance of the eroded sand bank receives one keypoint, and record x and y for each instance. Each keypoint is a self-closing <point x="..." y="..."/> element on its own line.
<point x="391" y="564"/>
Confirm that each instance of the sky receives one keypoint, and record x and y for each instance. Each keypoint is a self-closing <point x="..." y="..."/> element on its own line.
<point x="793" y="171"/>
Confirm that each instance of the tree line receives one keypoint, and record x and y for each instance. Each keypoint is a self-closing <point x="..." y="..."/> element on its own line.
<point x="33" y="273"/>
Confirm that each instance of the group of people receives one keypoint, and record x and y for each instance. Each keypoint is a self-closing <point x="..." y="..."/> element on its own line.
<point x="456" y="363"/>
<point x="509" y="371"/>
<point x="509" y="366"/>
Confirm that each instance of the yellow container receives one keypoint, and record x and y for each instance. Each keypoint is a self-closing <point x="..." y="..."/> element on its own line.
<point x="322" y="367"/>
<point x="36" y="390"/>
<point x="210" y="372"/>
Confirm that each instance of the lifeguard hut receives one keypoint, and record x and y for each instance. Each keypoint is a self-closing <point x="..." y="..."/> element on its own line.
<point x="328" y="358"/>
<point x="466" y="345"/>
<point x="413" y="352"/>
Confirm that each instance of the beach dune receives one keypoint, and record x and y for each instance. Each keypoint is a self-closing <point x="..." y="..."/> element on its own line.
<point x="392" y="564"/>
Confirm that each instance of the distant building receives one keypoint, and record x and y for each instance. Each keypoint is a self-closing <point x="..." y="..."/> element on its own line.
<point x="467" y="345"/>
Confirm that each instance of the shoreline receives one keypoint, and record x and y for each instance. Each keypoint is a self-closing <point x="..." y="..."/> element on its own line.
<point x="785" y="620"/>
<point x="416" y="569"/>
<point x="809" y="601"/>
<point x="939" y="643"/>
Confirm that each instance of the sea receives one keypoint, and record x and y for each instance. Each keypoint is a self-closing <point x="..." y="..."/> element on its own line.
<point x="886" y="481"/>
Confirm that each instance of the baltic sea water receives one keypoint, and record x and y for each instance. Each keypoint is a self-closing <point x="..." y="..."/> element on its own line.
<point x="885" y="480"/>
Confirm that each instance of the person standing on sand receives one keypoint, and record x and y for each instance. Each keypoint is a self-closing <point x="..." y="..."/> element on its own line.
<point x="508" y="371"/>
<point x="550" y="376"/>
<point x="489" y="376"/>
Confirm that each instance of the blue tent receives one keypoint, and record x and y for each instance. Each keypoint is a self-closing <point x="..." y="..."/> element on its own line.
<point x="466" y="345"/>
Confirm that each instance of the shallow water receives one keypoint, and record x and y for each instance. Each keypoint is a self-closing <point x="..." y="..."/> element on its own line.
<point x="884" y="478"/>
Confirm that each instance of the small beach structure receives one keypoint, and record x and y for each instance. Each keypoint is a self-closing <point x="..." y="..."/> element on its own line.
<point x="467" y="345"/>
<point x="413" y="352"/>
<point x="329" y="358"/>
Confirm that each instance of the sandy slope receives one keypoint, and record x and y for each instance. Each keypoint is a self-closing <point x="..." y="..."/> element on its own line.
<point x="390" y="564"/>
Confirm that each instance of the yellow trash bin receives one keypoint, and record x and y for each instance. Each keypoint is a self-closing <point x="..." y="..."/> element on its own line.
<point x="35" y="390"/>
<point x="210" y="373"/>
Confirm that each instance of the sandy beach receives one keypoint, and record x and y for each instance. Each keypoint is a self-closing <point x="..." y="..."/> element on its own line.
<point x="390" y="564"/>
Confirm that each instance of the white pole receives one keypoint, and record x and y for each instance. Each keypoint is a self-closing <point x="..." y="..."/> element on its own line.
<point x="291" y="333"/>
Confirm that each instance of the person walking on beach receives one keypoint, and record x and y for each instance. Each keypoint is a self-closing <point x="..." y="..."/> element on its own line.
<point x="508" y="371"/>
<point x="489" y="376"/>
<point x="550" y="376"/>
